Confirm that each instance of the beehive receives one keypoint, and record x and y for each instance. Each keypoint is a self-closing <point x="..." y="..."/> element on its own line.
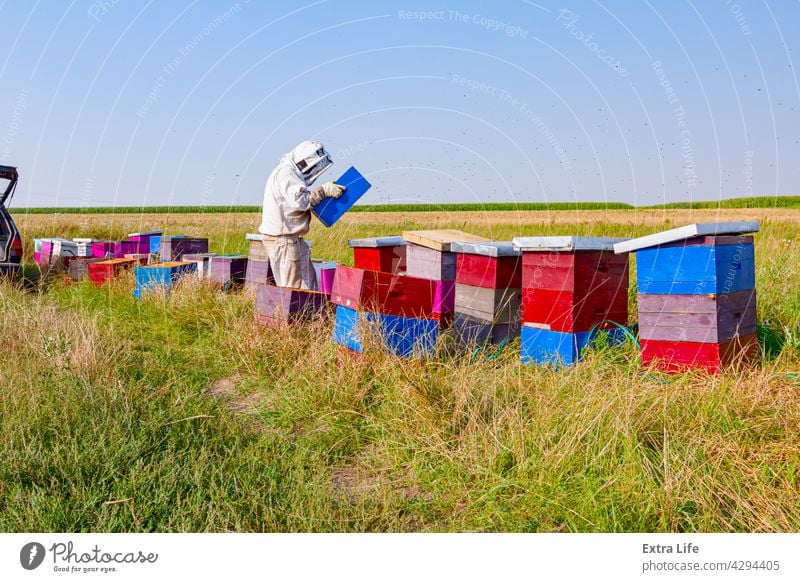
<point x="286" y="305"/>
<point x="228" y="270"/>
<point x="397" y="310"/>
<point x="106" y="270"/>
<point x="571" y="287"/>
<point x="161" y="277"/>
<point x="697" y="296"/>
<point x="487" y="291"/>
<point x="202" y="260"/>
<point x="387" y="253"/>
<point x="174" y="247"/>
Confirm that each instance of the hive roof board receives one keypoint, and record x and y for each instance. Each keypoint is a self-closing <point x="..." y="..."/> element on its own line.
<point x="378" y="241"/>
<point x="565" y="243"/>
<point x="685" y="232"/>
<point x="147" y="233"/>
<point x="440" y="240"/>
<point x="487" y="249"/>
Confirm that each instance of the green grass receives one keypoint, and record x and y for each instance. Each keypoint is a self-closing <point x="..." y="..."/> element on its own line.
<point x="180" y="414"/>
<point x="751" y="202"/>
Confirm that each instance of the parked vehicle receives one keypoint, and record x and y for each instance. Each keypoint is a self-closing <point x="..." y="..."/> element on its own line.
<point x="10" y="240"/>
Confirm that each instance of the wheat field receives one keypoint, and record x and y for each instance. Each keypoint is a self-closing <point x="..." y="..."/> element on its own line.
<point x="180" y="414"/>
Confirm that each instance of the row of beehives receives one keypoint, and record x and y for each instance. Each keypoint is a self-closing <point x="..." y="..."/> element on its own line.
<point x="696" y="294"/>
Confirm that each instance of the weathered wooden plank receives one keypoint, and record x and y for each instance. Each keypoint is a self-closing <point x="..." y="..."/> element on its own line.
<point x="685" y="232"/>
<point x="440" y="240"/>
<point x="492" y="305"/>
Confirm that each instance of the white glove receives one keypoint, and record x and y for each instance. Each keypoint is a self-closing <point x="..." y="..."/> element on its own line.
<point x="327" y="190"/>
<point x="332" y="190"/>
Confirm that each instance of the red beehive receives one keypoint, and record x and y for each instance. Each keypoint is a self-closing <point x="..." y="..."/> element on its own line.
<point x="387" y="254"/>
<point x="574" y="284"/>
<point x="495" y="265"/>
<point x="103" y="271"/>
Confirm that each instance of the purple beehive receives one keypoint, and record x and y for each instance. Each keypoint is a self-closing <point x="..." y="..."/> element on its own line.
<point x="227" y="270"/>
<point x="174" y="247"/>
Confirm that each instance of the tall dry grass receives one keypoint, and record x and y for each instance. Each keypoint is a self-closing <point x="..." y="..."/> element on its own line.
<point x="179" y="414"/>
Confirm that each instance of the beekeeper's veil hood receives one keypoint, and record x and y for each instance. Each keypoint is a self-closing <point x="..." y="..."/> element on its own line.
<point x="311" y="159"/>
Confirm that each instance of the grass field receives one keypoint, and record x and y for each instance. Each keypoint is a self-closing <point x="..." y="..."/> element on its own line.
<point x="180" y="414"/>
<point x="738" y="203"/>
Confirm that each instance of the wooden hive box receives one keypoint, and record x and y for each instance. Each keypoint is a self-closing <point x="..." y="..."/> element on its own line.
<point x="174" y="247"/>
<point x="387" y="253"/>
<point x="556" y="348"/>
<point x="470" y="330"/>
<point x="701" y="265"/>
<point x="106" y="270"/>
<point x="79" y="268"/>
<point x="381" y="292"/>
<point x="490" y="305"/>
<point x="495" y="265"/>
<point x="697" y="318"/>
<point x="326" y="273"/>
<point x="427" y="263"/>
<point x="161" y="277"/>
<point x="103" y="249"/>
<point x="228" y="270"/>
<point x="405" y="337"/>
<point x="202" y="260"/>
<point x="573" y="284"/>
<point x="697" y="297"/>
<point x="130" y="247"/>
<point x="258" y="273"/>
<point x="680" y="356"/>
<point x="284" y="304"/>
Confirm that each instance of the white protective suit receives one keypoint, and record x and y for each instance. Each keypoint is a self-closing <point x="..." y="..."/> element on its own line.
<point x="286" y="215"/>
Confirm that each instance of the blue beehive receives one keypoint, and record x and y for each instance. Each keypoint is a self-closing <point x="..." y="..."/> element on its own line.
<point x="331" y="209"/>
<point x="560" y="348"/>
<point x="160" y="277"/>
<point x="403" y="336"/>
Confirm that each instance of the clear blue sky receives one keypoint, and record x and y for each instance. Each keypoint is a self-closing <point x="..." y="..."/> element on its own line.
<point x="132" y="102"/>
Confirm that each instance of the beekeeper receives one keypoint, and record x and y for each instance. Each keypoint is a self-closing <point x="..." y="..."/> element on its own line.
<point x="288" y="200"/>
